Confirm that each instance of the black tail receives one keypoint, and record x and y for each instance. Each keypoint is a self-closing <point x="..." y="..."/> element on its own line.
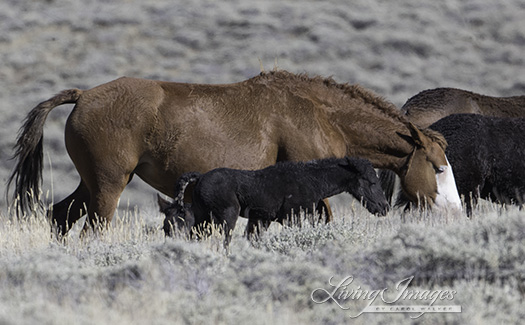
<point x="27" y="174"/>
<point x="181" y="185"/>
<point x="387" y="179"/>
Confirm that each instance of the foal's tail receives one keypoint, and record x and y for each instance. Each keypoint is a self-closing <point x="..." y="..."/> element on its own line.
<point x="27" y="174"/>
<point x="387" y="178"/>
<point x="181" y="185"/>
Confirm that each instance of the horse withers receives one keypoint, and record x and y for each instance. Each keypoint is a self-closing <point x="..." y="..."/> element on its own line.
<point x="275" y="193"/>
<point x="160" y="130"/>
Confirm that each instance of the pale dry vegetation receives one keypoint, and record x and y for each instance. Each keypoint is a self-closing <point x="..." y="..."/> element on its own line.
<point x="132" y="274"/>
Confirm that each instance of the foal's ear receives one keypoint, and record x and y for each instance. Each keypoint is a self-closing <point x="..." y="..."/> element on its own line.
<point x="348" y="164"/>
<point x="163" y="204"/>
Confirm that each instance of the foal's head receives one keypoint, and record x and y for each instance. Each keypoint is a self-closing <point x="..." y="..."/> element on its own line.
<point x="177" y="217"/>
<point x="366" y="186"/>
<point x="427" y="176"/>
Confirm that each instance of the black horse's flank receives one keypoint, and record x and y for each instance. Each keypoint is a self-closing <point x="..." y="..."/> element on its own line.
<point x="488" y="156"/>
<point x="274" y="193"/>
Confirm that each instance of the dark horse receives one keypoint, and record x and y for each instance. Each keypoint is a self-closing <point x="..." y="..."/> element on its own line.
<point x="160" y="130"/>
<point x="275" y="193"/>
<point x="431" y="105"/>
<point x="488" y="156"/>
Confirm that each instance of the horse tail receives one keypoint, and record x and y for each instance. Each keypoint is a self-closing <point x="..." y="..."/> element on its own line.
<point x="387" y="178"/>
<point x="27" y="174"/>
<point x="181" y="185"/>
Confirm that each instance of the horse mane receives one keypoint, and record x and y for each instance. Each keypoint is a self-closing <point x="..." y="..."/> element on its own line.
<point x="354" y="91"/>
<point x="436" y="137"/>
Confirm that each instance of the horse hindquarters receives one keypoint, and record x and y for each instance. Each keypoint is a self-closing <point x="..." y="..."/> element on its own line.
<point x="104" y="169"/>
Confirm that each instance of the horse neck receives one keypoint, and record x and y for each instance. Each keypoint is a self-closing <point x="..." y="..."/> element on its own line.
<point x="374" y="135"/>
<point x="367" y="123"/>
<point x="334" y="180"/>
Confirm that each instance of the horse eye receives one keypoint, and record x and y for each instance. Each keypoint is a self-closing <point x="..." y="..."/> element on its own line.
<point x="439" y="169"/>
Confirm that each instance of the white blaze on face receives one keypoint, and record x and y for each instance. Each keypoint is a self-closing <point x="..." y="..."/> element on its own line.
<point x="447" y="196"/>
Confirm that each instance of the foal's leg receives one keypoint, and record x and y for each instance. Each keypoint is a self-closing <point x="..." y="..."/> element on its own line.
<point x="256" y="227"/>
<point x="230" y="216"/>
<point x="258" y="222"/>
<point x="66" y="212"/>
<point x="324" y="206"/>
<point x="227" y="218"/>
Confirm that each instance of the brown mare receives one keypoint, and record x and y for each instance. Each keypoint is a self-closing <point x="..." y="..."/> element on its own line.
<point x="159" y="130"/>
<point x="431" y="105"/>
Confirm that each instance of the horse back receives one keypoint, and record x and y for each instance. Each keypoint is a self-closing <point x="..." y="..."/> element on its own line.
<point x="431" y="105"/>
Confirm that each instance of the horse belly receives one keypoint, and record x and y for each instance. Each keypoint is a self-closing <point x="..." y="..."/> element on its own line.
<point x="161" y="179"/>
<point x="162" y="170"/>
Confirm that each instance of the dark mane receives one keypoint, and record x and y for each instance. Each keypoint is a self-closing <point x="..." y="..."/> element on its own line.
<point x="321" y="163"/>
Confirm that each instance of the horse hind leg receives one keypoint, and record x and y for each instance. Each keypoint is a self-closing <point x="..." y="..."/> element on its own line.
<point x="66" y="212"/>
<point x="104" y="196"/>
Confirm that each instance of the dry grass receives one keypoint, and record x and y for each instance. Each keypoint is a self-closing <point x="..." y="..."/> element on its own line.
<point x="131" y="274"/>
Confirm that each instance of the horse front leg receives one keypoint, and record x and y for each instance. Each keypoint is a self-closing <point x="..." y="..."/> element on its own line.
<point x="323" y="207"/>
<point x="259" y="221"/>
<point x="256" y="227"/>
<point x="228" y="218"/>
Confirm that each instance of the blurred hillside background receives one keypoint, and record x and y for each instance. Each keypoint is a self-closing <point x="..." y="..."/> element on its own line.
<point x="395" y="48"/>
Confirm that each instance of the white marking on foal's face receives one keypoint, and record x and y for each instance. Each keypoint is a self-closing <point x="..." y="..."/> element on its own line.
<point x="447" y="192"/>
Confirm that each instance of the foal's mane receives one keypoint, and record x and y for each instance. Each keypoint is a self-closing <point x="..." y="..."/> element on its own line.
<point x="354" y="91"/>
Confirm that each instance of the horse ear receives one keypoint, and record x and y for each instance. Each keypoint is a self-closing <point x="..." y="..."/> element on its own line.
<point x="344" y="161"/>
<point x="417" y="136"/>
<point x="348" y="164"/>
<point x="407" y="138"/>
<point x="163" y="204"/>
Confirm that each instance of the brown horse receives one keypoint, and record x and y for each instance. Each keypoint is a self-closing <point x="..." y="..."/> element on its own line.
<point x="431" y="105"/>
<point x="159" y="130"/>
